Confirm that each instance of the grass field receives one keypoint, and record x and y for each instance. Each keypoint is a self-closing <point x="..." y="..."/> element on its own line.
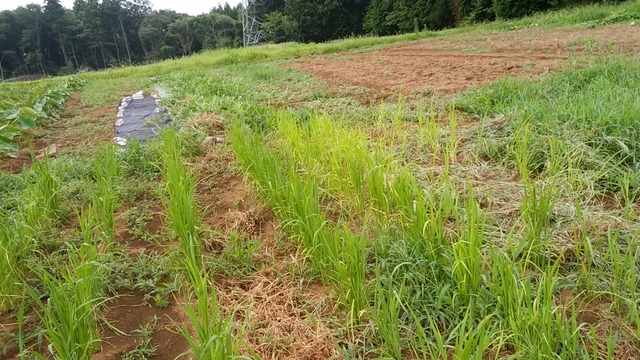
<point x="332" y="220"/>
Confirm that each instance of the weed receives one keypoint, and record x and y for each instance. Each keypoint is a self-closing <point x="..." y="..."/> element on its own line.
<point x="466" y="251"/>
<point x="536" y="209"/>
<point x="587" y="109"/>
<point x="386" y="315"/>
<point x="238" y="257"/>
<point x="151" y="274"/>
<point x="145" y="349"/>
<point x="137" y="219"/>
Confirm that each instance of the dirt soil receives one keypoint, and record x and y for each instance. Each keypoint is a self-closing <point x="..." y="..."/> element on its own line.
<point x="126" y="314"/>
<point x="445" y="66"/>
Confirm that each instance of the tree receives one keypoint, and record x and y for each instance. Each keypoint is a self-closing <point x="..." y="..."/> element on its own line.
<point x="279" y="28"/>
<point x="155" y="39"/>
<point x="183" y="30"/>
<point x="9" y="43"/>
<point x="322" y="20"/>
<point x="215" y="30"/>
<point x="96" y="34"/>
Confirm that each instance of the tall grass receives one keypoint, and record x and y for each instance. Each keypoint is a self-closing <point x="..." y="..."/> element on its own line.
<point x="12" y="249"/>
<point x="527" y="309"/>
<point x="536" y="209"/>
<point x="69" y="309"/>
<point x="181" y="185"/>
<point x="209" y="333"/>
<point x="435" y="290"/>
<point x="589" y="113"/>
<point x="387" y="302"/>
<point x="40" y="207"/>
<point x="618" y="263"/>
<point x="468" y="264"/>
<point x="340" y="168"/>
<point x="106" y="169"/>
<point x="350" y="263"/>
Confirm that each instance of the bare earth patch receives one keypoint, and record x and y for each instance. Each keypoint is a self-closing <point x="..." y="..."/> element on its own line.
<point x="456" y="63"/>
<point x="126" y="314"/>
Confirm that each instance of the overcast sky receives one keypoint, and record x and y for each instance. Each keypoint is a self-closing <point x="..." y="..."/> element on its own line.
<point x="192" y="7"/>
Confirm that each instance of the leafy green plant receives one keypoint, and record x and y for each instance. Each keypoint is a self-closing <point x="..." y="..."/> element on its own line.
<point x="145" y="349"/>
<point x="238" y="257"/>
<point x="137" y="219"/>
<point x="20" y="112"/>
<point x="151" y="274"/>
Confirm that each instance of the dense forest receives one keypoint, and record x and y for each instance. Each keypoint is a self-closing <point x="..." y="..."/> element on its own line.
<point x="53" y="40"/>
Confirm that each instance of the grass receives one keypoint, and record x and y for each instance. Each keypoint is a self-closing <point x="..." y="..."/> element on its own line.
<point x="13" y="249"/>
<point x="69" y="309"/>
<point x="106" y="168"/>
<point x="41" y="206"/>
<point x="434" y="237"/>
<point x="578" y="122"/>
<point x="579" y="15"/>
<point x="211" y="337"/>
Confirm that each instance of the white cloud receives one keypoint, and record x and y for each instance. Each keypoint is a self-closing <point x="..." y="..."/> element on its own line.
<point x="192" y="7"/>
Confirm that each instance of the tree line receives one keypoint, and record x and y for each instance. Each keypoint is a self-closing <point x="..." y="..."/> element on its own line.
<point x="96" y="34"/>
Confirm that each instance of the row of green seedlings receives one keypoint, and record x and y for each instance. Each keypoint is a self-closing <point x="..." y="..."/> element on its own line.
<point x="24" y="112"/>
<point x="209" y="333"/>
<point x="440" y="297"/>
<point x="335" y="252"/>
<point x="67" y="294"/>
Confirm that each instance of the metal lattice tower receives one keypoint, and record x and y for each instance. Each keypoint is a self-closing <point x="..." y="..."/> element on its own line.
<point x="251" y="34"/>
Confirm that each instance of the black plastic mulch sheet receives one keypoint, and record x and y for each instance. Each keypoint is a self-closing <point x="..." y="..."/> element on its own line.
<point x="140" y="119"/>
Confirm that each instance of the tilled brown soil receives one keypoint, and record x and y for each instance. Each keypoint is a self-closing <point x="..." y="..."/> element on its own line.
<point x="456" y="63"/>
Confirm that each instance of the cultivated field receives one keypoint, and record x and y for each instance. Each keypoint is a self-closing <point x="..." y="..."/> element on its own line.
<point x="465" y="194"/>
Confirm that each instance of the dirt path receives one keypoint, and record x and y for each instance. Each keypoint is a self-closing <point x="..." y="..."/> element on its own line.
<point x="456" y="63"/>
